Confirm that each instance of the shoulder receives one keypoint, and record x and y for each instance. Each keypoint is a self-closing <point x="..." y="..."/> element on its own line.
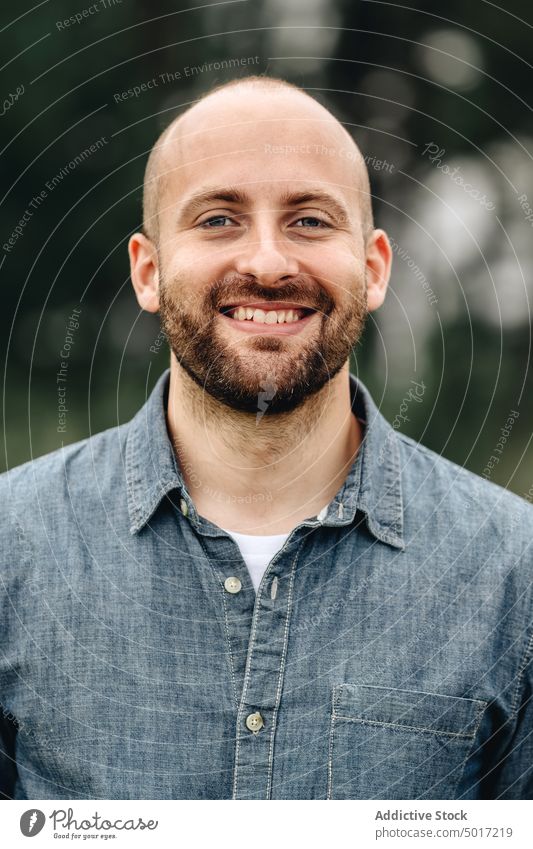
<point x="55" y="510"/>
<point x="463" y="498"/>
<point x="48" y="478"/>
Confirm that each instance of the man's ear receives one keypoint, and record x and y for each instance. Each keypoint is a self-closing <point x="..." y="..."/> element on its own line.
<point x="144" y="271"/>
<point x="378" y="268"/>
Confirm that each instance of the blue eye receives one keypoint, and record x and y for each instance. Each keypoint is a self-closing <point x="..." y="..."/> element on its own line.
<point x="311" y="222"/>
<point x="215" y="221"/>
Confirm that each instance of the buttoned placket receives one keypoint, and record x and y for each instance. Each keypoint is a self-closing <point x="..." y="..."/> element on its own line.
<point x="257" y="629"/>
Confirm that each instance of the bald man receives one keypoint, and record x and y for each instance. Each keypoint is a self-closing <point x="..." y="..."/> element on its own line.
<point x="258" y="588"/>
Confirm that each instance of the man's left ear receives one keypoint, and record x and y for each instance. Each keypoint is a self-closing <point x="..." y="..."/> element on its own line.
<point x="378" y="268"/>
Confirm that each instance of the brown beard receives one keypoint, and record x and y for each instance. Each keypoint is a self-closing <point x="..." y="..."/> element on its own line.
<point x="262" y="366"/>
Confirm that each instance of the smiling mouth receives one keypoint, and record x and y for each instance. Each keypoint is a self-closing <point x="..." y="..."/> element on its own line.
<point x="270" y="314"/>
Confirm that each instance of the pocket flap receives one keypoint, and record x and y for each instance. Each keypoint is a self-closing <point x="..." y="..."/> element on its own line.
<point x="409" y="709"/>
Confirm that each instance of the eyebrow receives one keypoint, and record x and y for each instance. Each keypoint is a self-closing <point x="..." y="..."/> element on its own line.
<point x="201" y="199"/>
<point x="320" y="197"/>
<point x="198" y="201"/>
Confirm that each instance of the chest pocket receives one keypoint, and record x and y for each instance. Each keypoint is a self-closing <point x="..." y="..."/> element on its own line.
<point x="398" y="744"/>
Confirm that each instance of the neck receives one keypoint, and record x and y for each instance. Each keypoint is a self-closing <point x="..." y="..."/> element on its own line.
<point x="266" y="476"/>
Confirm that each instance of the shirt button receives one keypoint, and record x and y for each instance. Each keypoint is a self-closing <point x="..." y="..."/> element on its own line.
<point x="183" y="507"/>
<point x="232" y="585"/>
<point x="254" y="721"/>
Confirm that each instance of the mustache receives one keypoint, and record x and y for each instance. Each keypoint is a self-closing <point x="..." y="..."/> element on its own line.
<point x="297" y="290"/>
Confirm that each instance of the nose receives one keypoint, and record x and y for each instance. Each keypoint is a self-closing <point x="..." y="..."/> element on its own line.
<point x="267" y="256"/>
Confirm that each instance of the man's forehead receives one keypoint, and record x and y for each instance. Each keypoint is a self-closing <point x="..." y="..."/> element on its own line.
<point x="235" y="142"/>
<point x="276" y="122"/>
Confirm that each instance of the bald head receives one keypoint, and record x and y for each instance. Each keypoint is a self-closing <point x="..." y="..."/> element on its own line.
<point x="221" y="104"/>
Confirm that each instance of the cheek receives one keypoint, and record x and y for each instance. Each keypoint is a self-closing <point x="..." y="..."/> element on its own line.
<point x="339" y="262"/>
<point x="345" y="278"/>
<point x="187" y="289"/>
<point x="183" y="259"/>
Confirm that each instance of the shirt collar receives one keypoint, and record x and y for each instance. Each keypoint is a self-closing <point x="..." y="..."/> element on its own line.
<point x="372" y="486"/>
<point x="150" y="463"/>
<point x="374" y="483"/>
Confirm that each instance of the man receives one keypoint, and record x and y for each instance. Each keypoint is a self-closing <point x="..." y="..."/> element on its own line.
<point x="257" y="588"/>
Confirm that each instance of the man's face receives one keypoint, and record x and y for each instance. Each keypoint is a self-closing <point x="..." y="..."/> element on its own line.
<point x="261" y="220"/>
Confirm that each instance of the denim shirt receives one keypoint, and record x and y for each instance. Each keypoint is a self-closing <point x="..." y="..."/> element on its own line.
<point x="386" y="655"/>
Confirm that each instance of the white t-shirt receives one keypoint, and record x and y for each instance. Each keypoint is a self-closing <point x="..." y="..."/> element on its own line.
<point x="257" y="552"/>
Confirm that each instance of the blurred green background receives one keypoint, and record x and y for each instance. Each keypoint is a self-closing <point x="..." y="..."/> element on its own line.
<point x="439" y="104"/>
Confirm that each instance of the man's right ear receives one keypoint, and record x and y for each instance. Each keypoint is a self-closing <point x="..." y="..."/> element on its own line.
<point x="144" y="271"/>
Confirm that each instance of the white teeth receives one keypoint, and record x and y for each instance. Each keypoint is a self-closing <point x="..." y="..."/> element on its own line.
<point x="265" y="316"/>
